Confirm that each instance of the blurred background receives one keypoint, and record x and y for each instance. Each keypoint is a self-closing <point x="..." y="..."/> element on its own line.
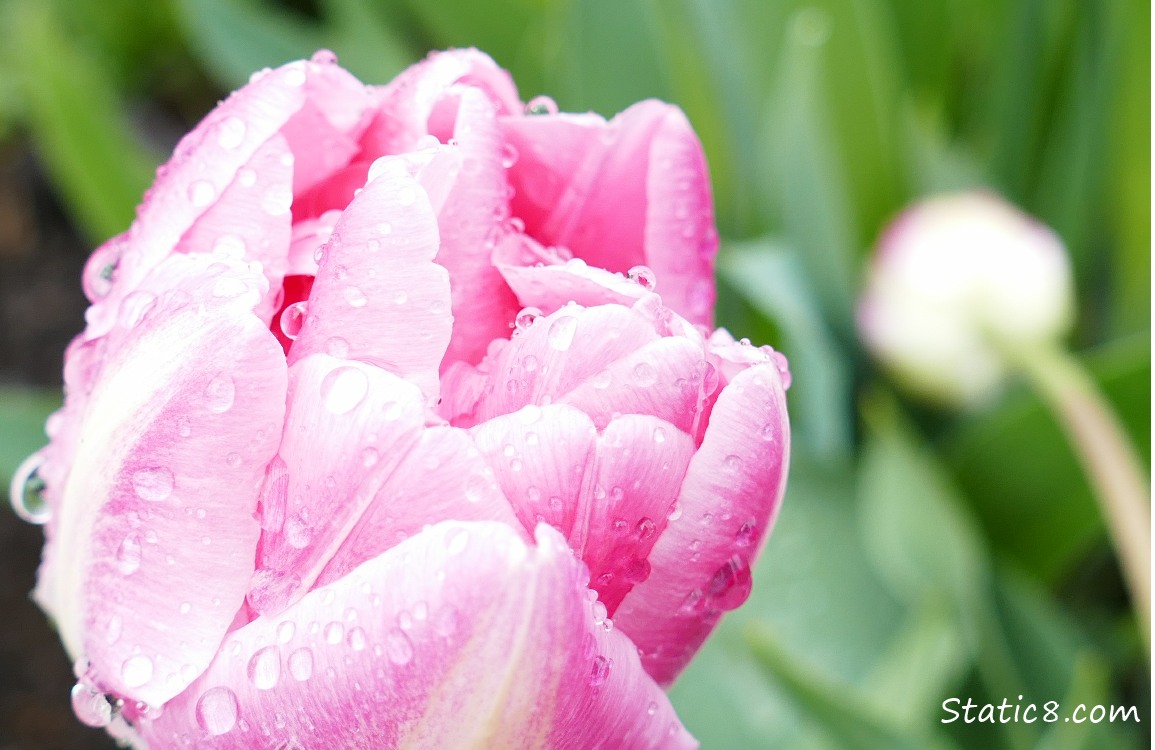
<point x="921" y="554"/>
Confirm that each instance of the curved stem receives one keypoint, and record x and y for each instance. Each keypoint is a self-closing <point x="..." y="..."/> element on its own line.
<point x="1113" y="468"/>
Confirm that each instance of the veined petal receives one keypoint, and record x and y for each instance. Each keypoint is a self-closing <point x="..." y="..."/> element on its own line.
<point x="417" y="648"/>
<point x="729" y="499"/>
<point x="631" y="191"/>
<point x="163" y="481"/>
<point x="379" y="297"/>
<point x="341" y="412"/>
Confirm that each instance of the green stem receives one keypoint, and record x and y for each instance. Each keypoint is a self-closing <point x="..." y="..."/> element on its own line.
<point x="1109" y="460"/>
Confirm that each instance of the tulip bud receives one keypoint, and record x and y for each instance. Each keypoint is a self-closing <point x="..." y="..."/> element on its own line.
<point x="957" y="282"/>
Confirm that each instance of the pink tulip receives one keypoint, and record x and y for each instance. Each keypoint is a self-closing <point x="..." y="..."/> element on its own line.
<point x="380" y="434"/>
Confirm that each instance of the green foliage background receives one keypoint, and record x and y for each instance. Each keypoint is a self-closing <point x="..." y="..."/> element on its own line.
<point x="920" y="555"/>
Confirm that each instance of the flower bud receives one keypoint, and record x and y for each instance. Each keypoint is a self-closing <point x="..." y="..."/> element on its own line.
<point x="958" y="282"/>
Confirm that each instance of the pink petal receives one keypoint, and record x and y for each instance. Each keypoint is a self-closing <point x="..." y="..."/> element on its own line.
<point x="730" y="496"/>
<point x="619" y="194"/>
<point x="347" y="423"/>
<point x="208" y="160"/>
<point x="470" y="220"/>
<point x="407" y="104"/>
<point x="609" y="494"/>
<point x="419" y="648"/>
<point x="379" y="297"/>
<point x="179" y="425"/>
<point x="441" y="478"/>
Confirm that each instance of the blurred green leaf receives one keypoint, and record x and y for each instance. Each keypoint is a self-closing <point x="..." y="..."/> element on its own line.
<point x="845" y="718"/>
<point x="770" y="277"/>
<point x="22" y="415"/>
<point x="78" y="123"/>
<point x="1020" y="473"/>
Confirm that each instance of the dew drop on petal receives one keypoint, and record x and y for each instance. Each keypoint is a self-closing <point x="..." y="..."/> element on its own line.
<point x="153" y="484"/>
<point x="508" y="155"/>
<point x="357" y="639"/>
<point x="26" y="493"/>
<point x="600" y="672"/>
<point x="343" y="389"/>
<point x="541" y="105"/>
<point x="136" y="671"/>
<point x="231" y="132"/>
<point x="220" y="393"/>
<point x="264" y="668"/>
<point x="201" y="193"/>
<point x="643" y="276"/>
<point x="216" y="710"/>
<point x="398" y="647"/>
<point x="324" y="57"/>
<point x="745" y="534"/>
<point x="293" y="319"/>
<point x="337" y="347"/>
<point x="128" y="555"/>
<point x="645" y="375"/>
<point x="526" y="317"/>
<point x="561" y="332"/>
<point x="277" y="200"/>
<point x="334" y="632"/>
<point x="285" y="631"/>
<point x="90" y="705"/>
<point x="731" y="584"/>
<point x="301" y="664"/>
<point x="355" y="297"/>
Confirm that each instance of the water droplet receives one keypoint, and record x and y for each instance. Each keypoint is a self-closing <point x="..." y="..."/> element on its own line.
<point x="90" y="705"/>
<point x="398" y="647"/>
<point x="651" y="709"/>
<point x="456" y="541"/>
<point x="643" y="276"/>
<point x="246" y="177"/>
<point x="136" y="671"/>
<point x="334" y="632"/>
<point x="602" y="380"/>
<point x="370" y="457"/>
<point x="285" y="631"/>
<point x="357" y="639"/>
<point x="343" y="389"/>
<point x="112" y="633"/>
<point x="508" y="155"/>
<point x="153" y="484"/>
<point x="561" y="332"/>
<point x="265" y="668"/>
<point x="301" y="664"/>
<point x="219" y="393"/>
<point x="324" y="57"/>
<point x="645" y="375"/>
<point x="659" y="435"/>
<point x="135" y="307"/>
<point x="731" y="584"/>
<point x="746" y="534"/>
<point x="26" y="493"/>
<point x="526" y="317"/>
<point x="201" y="193"/>
<point x="645" y="529"/>
<point x="128" y="554"/>
<point x="298" y="532"/>
<point x="294" y="76"/>
<point x="277" y="200"/>
<point x="337" y="347"/>
<point x="692" y="602"/>
<point x="355" y="297"/>
<point x="600" y="672"/>
<point x="637" y="570"/>
<point x="732" y="463"/>
<point x="216" y="711"/>
<point x="231" y="132"/>
<point x="541" y="105"/>
<point x="293" y="319"/>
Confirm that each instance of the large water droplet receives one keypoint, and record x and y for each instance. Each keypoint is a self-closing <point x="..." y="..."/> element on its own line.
<point x="730" y="585"/>
<point x="561" y="332"/>
<point x="343" y="389"/>
<point x="301" y="664"/>
<point x="220" y="393"/>
<point x="643" y="276"/>
<point x="136" y="671"/>
<point x="231" y="132"/>
<point x="201" y="193"/>
<point x="645" y="375"/>
<point x="153" y="484"/>
<point x="293" y="319"/>
<point x="216" y="711"/>
<point x="541" y="105"/>
<point x="600" y="672"/>
<point x="128" y="554"/>
<point x="357" y="639"/>
<point x="324" y="57"/>
<point x="526" y="317"/>
<point x="334" y="632"/>
<point x="337" y="347"/>
<point x="265" y="668"/>
<point x="398" y="647"/>
<point x="355" y="297"/>
<point x="26" y="492"/>
<point x="90" y="705"/>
